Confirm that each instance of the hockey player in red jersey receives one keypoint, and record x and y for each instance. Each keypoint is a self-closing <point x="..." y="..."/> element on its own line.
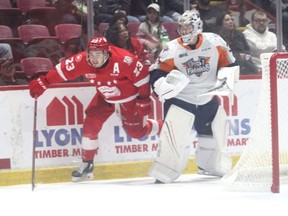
<point x="185" y="75"/>
<point x="120" y="79"/>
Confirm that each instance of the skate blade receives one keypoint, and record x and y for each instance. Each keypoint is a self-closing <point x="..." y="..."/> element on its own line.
<point x="88" y="177"/>
<point x="205" y="173"/>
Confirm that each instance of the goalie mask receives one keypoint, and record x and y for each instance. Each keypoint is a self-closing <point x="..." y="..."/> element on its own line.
<point x="97" y="52"/>
<point x="190" y="26"/>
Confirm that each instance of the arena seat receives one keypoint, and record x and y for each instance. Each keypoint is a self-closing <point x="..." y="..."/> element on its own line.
<point x="33" y="33"/>
<point x="39" y="43"/>
<point x="133" y="28"/>
<point x="9" y="15"/>
<point x="34" y="66"/>
<point x="16" y="43"/>
<point x="171" y="28"/>
<point x="6" y="32"/>
<point x="37" y="11"/>
<point x="67" y="32"/>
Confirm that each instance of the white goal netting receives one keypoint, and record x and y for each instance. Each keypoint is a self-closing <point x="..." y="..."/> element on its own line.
<point x="254" y="170"/>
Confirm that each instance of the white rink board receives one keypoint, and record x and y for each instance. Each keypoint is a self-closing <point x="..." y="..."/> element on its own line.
<point x="59" y="145"/>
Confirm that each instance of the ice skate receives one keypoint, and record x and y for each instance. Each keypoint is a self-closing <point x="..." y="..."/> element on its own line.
<point x="83" y="173"/>
<point x="204" y="172"/>
<point x="158" y="182"/>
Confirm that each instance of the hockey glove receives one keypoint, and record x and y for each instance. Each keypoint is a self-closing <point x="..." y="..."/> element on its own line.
<point x="143" y="106"/>
<point x="38" y="86"/>
<point x="230" y="75"/>
<point x="170" y="86"/>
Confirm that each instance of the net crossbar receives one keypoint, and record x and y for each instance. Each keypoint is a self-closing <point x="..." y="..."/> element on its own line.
<point x="264" y="161"/>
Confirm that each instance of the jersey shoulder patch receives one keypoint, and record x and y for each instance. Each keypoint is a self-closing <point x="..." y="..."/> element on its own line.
<point x="122" y="55"/>
<point x="169" y="50"/>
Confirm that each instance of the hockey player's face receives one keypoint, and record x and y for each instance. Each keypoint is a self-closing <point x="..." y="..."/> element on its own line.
<point x="97" y="58"/>
<point x="185" y="29"/>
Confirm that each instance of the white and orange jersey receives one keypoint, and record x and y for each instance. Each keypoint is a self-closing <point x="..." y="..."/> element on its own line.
<point x="199" y="64"/>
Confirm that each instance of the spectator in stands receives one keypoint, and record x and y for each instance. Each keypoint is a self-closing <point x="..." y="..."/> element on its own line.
<point x="208" y="14"/>
<point x="151" y="33"/>
<point x="237" y="42"/>
<point x="259" y="38"/>
<point x="104" y="10"/>
<point x="175" y="8"/>
<point x="7" y="67"/>
<point x="139" y="8"/>
<point x="67" y="12"/>
<point x="118" y="35"/>
<point x="119" y="16"/>
<point x="5" y="51"/>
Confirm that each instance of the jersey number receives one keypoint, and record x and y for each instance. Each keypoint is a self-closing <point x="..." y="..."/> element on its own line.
<point x="69" y="64"/>
<point x="138" y="68"/>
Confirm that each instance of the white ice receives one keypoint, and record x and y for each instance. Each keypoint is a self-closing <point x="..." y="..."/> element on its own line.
<point x="189" y="195"/>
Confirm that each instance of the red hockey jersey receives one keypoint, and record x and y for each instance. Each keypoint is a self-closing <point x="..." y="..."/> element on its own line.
<point x="122" y="79"/>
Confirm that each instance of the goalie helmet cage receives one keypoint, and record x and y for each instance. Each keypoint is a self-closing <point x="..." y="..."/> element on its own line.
<point x="264" y="161"/>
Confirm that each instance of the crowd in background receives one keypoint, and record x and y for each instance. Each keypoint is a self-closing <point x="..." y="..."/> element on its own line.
<point x="246" y="43"/>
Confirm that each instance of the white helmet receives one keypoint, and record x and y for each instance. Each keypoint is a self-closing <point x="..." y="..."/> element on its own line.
<point x="190" y="25"/>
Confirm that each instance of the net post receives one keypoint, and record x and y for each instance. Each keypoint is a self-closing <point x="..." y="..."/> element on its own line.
<point x="274" y="123"/>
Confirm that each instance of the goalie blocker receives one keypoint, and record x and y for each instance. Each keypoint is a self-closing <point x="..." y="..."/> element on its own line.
<point x="174" y="146"/>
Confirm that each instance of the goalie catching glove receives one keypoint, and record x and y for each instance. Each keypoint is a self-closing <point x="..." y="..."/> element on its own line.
<point x="170" y="86"/>
<point x="38" y="86"/>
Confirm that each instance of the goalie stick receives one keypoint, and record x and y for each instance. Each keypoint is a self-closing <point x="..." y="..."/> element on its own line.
<point x="216" y="90"/>
<point x="34" y="143"/>
<point x="220" y="91"/>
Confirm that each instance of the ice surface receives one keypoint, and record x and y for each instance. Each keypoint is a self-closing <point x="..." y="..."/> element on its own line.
<point x="189" y="195"/>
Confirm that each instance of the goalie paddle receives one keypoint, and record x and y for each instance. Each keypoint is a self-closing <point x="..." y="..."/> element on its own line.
<point x="34" y="143"/>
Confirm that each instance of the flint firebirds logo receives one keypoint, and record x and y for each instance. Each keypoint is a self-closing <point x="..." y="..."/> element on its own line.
<point x="197" y="67"/>
<point x="64" y="112"/>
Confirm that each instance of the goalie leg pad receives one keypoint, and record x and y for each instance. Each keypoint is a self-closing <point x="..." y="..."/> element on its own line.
<point x="210" y="154"/>
<point x="174" y="145"/>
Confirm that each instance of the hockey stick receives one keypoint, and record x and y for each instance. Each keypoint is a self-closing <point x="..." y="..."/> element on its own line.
<point x="34" y="143"/>
<point x="216" y="90"/>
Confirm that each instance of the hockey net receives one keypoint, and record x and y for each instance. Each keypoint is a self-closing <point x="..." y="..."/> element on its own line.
<point x="263" y="164"/>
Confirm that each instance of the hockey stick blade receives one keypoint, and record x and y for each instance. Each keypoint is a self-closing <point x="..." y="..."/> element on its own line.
<point x="219" y="90"/>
